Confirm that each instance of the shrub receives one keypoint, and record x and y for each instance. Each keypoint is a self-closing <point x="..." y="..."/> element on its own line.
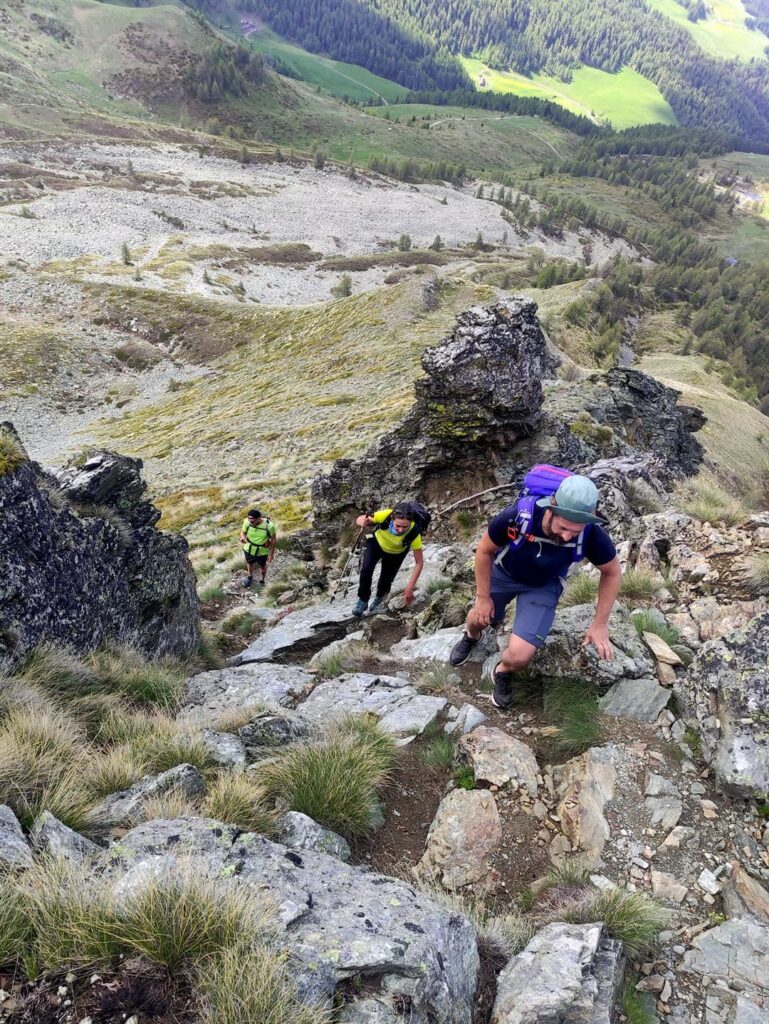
<point x="335" y="780"/>
<point x="464" y="777"/>
<point x="404" y="243"/>
<point x="758" y="573"/>
<point x="250" y="983"/>
<point x="632" y="917"/>
<point x="707" y="501"/>
<point x="27" y="213"/>
<point x="638" y="585"/>
<point x="343" y="288"/>
<point x="581" y="589"/>
<point x="125" y="255"/>
<point x="319" y="160"/>
<point x="12" y="454"/>
<point x="239" y="799"/>
<point x="435" y="586"/>
<point x="437" y="244"/>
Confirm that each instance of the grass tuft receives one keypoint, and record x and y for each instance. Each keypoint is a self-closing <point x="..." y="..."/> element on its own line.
<point x="239" y="799"/>
<point x="252" y="984"/>
<point x="571" y="706"/>
<point x="581" y="589"/>
<point x="648" y="622"/>
<point x="12" y="454"/>
<point x="637" y="1007"/>
<point x="758" y="573"/>
<point x="330" y="665"/>
<point x="335" y="780"/>
<point x="707" y="501"/>
<point x="638" y="586"/>
<point x="642" y="498"/>
<point x="438" y="752"/>
<point x="632" y="917"/>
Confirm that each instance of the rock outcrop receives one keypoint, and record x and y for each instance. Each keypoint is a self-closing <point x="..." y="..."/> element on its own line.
<point x="83" y="564"/>
<point x="482" y="392"/>
<point x="729" y="684"/>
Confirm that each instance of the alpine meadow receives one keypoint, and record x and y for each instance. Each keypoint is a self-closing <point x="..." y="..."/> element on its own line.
<point x="384" y="511"/>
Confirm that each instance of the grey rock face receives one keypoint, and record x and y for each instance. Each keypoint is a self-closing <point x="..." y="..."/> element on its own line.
<point x="51" y="836"/>
<point x="299" y="832"/>
<point x="401" y="710"/>
<point x="14" y="849"/>
<point x="725" y="1007"/>
<point x="729" y="682"/>
<point x="268" y="731"/>
<point x="227" y="750"/>
<point x="303" y="630"/>
<point x="468" y="718"/>
<point x="209" y="695"/>
<point x="499" y="758"/>
<point x="338" y="921"/>
<point x="481" y="392"/>
<point x="585" y="786"/>
<point x="438" y="646"/>
<point x="642" y="699"/>
<point x="567" y="973"/>
<point x="737" y="950"/>
<point x="465" y="833"/>
<point x="103" y="573"/>
<point x="120" y="808"/>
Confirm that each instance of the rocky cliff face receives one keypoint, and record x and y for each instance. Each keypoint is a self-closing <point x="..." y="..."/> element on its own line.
<point x="482" y="392"/>
<point x="481" y="417"/>
<point x="82" y="563"/>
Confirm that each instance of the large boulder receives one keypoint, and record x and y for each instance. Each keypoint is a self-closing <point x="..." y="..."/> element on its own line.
<point x="339" y="922"/>
<point x="569" y="973"/>
<point x="482" y="391"/>
<point x="84" y="564"/>
<point x="463" y="838"/>
<point x="14" y="849"/>
<point x="585" y="786"/>
<point x="211" y="695"/>
<point x="728" y="682"/>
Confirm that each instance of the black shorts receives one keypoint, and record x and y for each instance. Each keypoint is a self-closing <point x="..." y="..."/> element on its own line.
<point x="255" y="559"/>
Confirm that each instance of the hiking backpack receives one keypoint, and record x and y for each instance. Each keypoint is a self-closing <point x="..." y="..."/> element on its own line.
<point x="420" y="516"/>
<point x="265" y="525"/>
<point x="541" y="481"/>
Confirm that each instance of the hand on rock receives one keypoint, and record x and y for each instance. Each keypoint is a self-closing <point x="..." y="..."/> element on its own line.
<point x="598" y="636"/>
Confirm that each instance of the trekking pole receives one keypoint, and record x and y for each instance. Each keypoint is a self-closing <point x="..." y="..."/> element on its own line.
<point x="347" y="565"/>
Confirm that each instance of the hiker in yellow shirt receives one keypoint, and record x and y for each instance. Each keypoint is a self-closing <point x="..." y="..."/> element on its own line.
<point x="395" y="533"/>
<point x="258" y="537"/>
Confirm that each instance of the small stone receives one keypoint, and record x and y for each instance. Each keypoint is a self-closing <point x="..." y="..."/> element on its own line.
<point x="697" y="789"/>
<point x="667" y="887"/>
<point x="708" y="882"/>
<point x="709" y="809"/>
<point x="677" y="836"/>
<point x="62" y="990"/>
<point x="654" y="983"/>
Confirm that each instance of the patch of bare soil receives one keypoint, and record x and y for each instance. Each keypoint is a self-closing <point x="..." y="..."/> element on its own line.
<point x="410" y="801"/>
<point x="108" y="995"/>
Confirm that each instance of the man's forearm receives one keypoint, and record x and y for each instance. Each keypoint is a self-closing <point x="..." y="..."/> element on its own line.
<point x="608" y="590"/>
<point x="483" y="563"/>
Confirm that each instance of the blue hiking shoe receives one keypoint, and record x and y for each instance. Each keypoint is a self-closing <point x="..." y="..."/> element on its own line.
<point x="378" y="604"/>
<point x="360" y="607"/>
<point x="247" y="581"/>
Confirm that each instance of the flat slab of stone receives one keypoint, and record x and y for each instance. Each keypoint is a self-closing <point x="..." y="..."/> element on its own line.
<point x="568" y="972"/>
<point x="465" y="833"/>
<point x="438" y="647"/>
<point x="303" y="629"/>
<point x="401" y="709"/>
<point x="14" y="849"/>
<point x="737" y="950"/>
<point x="667" y="887"/>
<point x="499" y="758"/>
<point x="661" y="650"/>
<point x="209" y="695"/>
<point x="467" y="718"/>
<point x="300" y="832"/>
<point x="642" y="699"/>
<point x="338" y="921"/>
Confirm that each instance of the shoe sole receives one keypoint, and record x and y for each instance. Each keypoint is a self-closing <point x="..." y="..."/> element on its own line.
<point x="502" y="707"/>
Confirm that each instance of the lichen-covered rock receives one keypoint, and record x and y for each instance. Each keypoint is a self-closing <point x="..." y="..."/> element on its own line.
<point x="338" y="921"/>
<point x="52" y="837"/>
<point x="120" y="808"/>
<point x="299" y="832"/>
<point x="82" y="563"/>
<point x="729" y="683"/>
<point x="499" y="758"/>
<point x="210" y="695"/>
<point x="269" y="730"/>
<point x="482" y="391"/>
<point x="466" y="832"/>
<point x="569" y="973"/>
<point x="14" y="849"/>
<point x="585" y="786"/>
<point x="401" y="710"/>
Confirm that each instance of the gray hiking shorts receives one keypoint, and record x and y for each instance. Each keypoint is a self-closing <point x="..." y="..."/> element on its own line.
<point x="534" y="606"/>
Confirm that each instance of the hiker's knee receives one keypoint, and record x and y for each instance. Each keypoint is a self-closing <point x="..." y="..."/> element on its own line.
<point x="518" y="654"/>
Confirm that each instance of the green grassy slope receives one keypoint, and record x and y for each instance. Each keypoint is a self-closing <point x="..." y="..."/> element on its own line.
<point x="625" y="99"/>
<point x="723" y="33"/>
<point x="334" y="76"/>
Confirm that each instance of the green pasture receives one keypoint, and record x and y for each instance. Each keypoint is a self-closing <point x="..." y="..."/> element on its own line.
<point x="723" y="33"/>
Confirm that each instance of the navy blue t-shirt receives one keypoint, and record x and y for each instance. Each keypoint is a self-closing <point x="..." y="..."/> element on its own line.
<point x="534" y="564"/>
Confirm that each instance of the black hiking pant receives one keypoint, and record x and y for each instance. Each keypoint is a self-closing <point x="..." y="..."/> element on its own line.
<point x="372" y="553"/>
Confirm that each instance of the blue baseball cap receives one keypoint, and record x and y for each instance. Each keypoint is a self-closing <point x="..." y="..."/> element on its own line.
<point x="576" y="500"/>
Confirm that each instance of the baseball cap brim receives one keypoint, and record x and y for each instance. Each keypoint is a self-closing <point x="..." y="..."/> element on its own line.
<point x="572" y="514"/>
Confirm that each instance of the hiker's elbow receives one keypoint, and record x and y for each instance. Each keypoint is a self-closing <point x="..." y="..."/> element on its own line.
<point x="611" y="570"/>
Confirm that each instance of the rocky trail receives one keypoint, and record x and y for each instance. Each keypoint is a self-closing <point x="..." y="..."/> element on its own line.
<point x="598" y="852"/>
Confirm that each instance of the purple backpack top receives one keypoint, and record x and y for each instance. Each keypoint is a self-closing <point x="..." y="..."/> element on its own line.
<point x="541" y="481"/>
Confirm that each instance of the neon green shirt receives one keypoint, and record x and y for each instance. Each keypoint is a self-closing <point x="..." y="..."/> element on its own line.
<point x="391" y="543"/>
<point x="259" y="537"/>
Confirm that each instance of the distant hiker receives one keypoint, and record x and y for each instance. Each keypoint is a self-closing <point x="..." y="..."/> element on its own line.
<point x="525" y="554"/>
<point x="258" y="537"/>
<point x="396" y="531"/>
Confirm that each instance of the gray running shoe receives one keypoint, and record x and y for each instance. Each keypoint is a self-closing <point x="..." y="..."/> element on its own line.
<point x="462" y="650"/>
<point x="502" y="697"/>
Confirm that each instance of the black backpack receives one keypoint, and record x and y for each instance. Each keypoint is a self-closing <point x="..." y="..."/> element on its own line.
<point x="416" y="511"/>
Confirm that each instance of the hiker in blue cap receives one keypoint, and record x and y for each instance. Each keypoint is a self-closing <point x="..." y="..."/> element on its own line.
<point x="525" y="555"/>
